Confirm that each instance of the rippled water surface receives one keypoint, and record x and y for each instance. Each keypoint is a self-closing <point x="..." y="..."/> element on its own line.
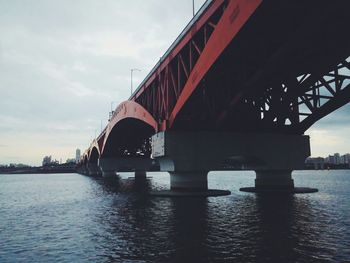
<point x="74" y="218"/>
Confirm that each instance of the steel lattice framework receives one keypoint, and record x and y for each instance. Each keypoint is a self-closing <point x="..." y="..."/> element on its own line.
<point x="161" y="91"/>
<point x="294" y="105"/>
<point x="242" y="66"/>
<point x="191" y="67"/>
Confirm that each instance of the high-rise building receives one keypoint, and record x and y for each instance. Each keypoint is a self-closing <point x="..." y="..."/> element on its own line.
<point x="330" y="159"/>
<point x="345" y="159"/>
<point x="77" y="155"/>
<point x="336" y="158"/>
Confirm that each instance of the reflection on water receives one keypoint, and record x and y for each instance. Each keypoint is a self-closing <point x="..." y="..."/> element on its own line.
<point x="75" y="218"/>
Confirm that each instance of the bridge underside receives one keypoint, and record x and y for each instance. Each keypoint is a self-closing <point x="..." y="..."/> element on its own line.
<point x="246" y="68"/>
<point x="284" y="70"/>
<point x="129" y="138"/>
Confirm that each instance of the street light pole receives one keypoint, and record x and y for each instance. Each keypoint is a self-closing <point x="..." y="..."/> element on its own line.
<point x="193" y="6"/>
<point x="131" y="72"/>
<point x="112" y="105"/>
<point x="111" y="112"/>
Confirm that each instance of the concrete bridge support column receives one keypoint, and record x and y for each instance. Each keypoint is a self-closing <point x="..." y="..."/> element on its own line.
<point x="140" y="178"/>
<point x="141" y="183"/>
<point x="109" y="166"/>
<point x="93" y="169"/>
<point x="189" y="181"/>
<point x="84" y="169"/>
<point x="276" y="181"/>
<point x="108" y="174"/>
<point x="188" y="162"/>
<point x="187" y="156"/>
<point x="270" y="179"/>
<point x="140" y="175"/>
<point x="107" y="170"/>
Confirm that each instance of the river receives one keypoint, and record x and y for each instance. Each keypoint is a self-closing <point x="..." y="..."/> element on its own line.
<point x="74" y="218"/>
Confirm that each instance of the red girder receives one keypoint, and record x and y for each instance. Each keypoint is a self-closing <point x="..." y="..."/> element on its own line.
<point x="191" y="58"/>
<point x="266" y="78"/>
<point x="232" y="20"/>
<point x="202" y="21"/>
<point x="128" y="110"/>
<point x="161" y="90"/>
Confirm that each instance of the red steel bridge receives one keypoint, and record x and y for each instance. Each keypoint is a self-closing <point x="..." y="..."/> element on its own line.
<point x="239" y="67"/>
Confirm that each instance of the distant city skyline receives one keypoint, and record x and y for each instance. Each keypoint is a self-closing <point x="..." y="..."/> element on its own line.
<point x="332" y="154"/>
<point x="63" y="69"/>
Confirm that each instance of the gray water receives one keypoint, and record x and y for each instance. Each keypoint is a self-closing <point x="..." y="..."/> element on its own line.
<point x="74" y="218"/>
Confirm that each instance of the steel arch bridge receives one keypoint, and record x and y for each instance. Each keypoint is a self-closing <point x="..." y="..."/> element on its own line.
<point x="239" y="66"/>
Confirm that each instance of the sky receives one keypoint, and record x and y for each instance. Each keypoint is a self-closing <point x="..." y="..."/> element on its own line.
<point x="64" y="64"/>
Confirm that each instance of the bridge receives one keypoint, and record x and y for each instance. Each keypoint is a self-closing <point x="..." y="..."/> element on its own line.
<point x="237" y="89"/>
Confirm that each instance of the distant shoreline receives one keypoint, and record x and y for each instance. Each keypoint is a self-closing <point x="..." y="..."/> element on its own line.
<point x="63" y="168"/>
<point x="53" y="170"/>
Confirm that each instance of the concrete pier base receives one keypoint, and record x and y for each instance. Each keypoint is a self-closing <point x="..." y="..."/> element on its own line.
<point x="93" y="170"/>
<point x="189" y="184"/>
<point x="295" y="190"/>
<point x="108" y="174"/>
<point x="189" y="181"/>
<point x="206" y="193"/>
<point x="140" y="175"/>
<point x="83" y="170"/>
<point x="281" y="179"/>
<point x="141" y="178"/>
<point x="276" y="181"/>
<point x="109" y="166"/>
<point x="272" y="156"/>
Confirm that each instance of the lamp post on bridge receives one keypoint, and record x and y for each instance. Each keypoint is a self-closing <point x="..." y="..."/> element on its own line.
<point x="193" y="7"/>
<point x="111" y="112"/>
<point x="112" y="102"/>
<point x="132" y="71"/>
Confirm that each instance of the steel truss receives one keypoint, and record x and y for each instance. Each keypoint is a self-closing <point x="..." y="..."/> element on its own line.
<point x="160" y="94"/>
<point x="294" y="105"/>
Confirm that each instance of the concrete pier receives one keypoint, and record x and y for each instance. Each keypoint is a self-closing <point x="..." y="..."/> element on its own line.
<point x="188" y="156"/>
<point x="109" y="166"/>
<point x="108" y="174"/>
<point x="93" y="169"/>
<point x="189" y="181"/>
<point x="276" y="181"/>
<point x="266" y="179"/>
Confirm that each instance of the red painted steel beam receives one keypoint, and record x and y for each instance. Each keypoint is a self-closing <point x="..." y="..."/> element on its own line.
<point x="95" y="144"/>
<point x="235" y="16"/>
<point x="187" y="37"/>
<point x="100" y="141"/>
<point x="129" y="109"/>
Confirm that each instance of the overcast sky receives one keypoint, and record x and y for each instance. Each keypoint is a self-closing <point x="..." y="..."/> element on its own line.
<point x="63" y="62"/>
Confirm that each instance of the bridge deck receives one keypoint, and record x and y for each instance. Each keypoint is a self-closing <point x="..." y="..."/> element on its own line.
<point x="250" y="66"/>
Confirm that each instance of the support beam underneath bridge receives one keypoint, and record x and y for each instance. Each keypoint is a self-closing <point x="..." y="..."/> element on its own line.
<point x="140" y="175"/>
<point x="276" y="181"/>
<point x="109" y="166"/>
<point x="82" y="169"/>
<point x="93" y="169"/>
<point x="267" y="179"/>
<point x="188" y="156"/>
<point x="108" y="171"/>
<point x="193" y="181"/>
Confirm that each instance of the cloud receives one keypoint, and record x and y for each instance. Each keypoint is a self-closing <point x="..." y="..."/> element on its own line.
<point x="324" y="138"/>
<point x="327" y="140"/>
<point x="331" y="133"/>
<point x="62" y="63"/>
<point x="340" y="117"/>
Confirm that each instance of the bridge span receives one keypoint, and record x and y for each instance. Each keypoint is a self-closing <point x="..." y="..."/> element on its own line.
<point x="236" y="90"/>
